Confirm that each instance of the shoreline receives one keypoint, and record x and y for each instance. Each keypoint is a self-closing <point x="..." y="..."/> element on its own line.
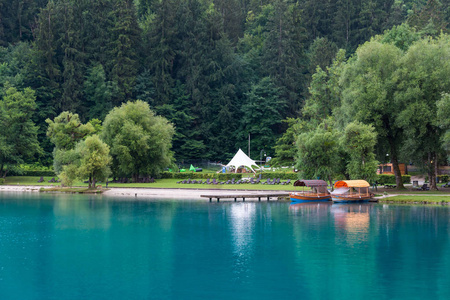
<point x="191" y="194"/>
<point x="151" y="193"/>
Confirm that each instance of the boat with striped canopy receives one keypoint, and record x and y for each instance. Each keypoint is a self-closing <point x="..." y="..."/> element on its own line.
<point x="318" y="191"/>
<point x="351" y="191"/>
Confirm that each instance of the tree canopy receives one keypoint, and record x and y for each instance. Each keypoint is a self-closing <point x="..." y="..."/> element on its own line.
<point x="139" y="140"/>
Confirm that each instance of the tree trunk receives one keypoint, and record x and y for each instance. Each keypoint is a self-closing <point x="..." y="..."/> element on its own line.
<point x="331" y="183"/>
<point x="432" y="171"/>
<point x="90" y="181"/>
<point x="394" y="161"/>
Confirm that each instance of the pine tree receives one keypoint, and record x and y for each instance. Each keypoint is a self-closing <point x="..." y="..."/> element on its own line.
<point x="125" y="38"/>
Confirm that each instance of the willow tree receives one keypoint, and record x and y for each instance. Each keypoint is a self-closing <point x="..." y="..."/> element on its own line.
<point x="359" y="142"/>
<point x="318" y="154"/>
<point x="425" y="77"/>
<point x="139" y="140"/>
<point x="370" y="84"/>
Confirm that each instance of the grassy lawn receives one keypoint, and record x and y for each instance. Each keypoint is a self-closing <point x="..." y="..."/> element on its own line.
<point x="422" y="198"/>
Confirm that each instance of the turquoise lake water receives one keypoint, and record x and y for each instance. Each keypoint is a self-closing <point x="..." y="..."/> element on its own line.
<point x="82" y="247"/>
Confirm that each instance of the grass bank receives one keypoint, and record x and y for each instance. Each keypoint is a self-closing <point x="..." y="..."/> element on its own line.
<point x="432" y="199"/>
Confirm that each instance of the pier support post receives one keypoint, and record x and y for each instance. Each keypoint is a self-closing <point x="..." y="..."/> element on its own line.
<point x="243" y="199"/>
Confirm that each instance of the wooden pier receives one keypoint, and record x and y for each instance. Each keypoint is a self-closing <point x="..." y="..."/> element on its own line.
<point x="258" y="196"/>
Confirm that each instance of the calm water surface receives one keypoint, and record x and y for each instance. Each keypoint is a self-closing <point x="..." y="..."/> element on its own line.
<point x="81" y="247"/>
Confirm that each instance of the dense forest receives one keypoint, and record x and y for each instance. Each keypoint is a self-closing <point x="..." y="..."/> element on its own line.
<point x="222" y="71"/>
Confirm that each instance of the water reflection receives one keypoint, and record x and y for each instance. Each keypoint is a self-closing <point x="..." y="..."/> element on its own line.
<point x="353" y="220"/>
<point x="242" y="231"/>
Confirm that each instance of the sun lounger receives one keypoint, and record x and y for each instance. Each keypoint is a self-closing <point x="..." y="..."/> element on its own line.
<point x="286" y="182"/>
<point x="41" y="179"/>
<point x="266" y="182"/>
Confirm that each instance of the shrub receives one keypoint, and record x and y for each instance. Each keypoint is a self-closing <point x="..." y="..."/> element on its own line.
<point x="2" y="180"/>
<point x="440" y="178"/>
<point x="390" y="179"/>
<point x="281" y="175"/>
<point x="20" y="172"/>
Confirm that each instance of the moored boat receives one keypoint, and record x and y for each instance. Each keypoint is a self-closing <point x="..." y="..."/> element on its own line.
<point x="317" y="193"/>
<point x="351" y="191"/>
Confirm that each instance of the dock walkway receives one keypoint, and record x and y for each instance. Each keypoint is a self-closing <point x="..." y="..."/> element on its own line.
<point x="257" y="195"/>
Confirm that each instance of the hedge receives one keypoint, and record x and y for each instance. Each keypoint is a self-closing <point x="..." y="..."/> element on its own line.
<point x="46" y="173"/>
<point x="440" y="178"/>
<point x="281" y="175"/>
<point x="390" y="179"/>
<point x="192" y="175"/>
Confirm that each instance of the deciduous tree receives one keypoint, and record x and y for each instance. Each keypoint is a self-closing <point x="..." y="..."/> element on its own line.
<point x="139" y="140"/>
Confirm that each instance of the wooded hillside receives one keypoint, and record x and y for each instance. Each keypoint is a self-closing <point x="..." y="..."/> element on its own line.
<point x="218" y="70"/>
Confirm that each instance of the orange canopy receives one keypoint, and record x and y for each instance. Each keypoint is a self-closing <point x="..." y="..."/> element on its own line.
<point x="351" y="183"/>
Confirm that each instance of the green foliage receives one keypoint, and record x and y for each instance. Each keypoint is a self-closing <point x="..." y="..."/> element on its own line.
<point x="261" y="114"/>
<point x="281" y="175"/>
<point x="370" y="84"/>
<point x="359" y="141"/>
<point x="402" y="36"/>
<point x="2" y="180"/>
<point x="98" y="92"/>
<point x="318" y="154"/>
<point x="139" y="140"/>
<point x="443" y="178"/>
<point x="204" y="65"/>
<point x="94" y="160"/>
<point x="190" y="175"/>
<point x="285" y="149"/>
<point x="18" y="138"/>
<point x="425" y="78"/>
<point x="67" y="130"/>
<point x="443" y="120"/>
<point x="390" y="179"/>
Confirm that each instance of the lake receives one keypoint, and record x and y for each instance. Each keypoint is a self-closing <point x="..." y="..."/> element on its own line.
<point x="94" y="247"/>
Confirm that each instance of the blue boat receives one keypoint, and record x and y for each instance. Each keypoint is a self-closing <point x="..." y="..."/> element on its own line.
<point x="318" y="192"/>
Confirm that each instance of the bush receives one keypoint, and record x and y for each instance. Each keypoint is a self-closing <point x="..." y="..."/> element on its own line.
<point x="390" y="179"/>
<point x="20" y="172"/>
<point x="281" y="175"/>
<point x="440" y="178"/>
<point x="2" y="180"/>
<point x="444" y="178"/>
<point x="166" y="175"/>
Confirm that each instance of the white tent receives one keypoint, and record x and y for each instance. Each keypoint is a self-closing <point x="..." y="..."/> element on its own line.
<point x="241" y="159"/>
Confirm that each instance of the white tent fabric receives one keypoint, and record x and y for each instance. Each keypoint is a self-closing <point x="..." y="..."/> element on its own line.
<point x="241" y="159"/>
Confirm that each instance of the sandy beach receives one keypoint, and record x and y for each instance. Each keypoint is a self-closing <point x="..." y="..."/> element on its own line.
<point x="149" y="193"/>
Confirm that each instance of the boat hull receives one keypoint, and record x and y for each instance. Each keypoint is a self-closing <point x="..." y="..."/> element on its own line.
<point x="344" y="199"/>
<point x="299" y="198"/>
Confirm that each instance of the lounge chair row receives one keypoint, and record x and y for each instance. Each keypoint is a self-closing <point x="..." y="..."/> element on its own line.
<point x="233" y="181"/>
<point x="51" y="180"/>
